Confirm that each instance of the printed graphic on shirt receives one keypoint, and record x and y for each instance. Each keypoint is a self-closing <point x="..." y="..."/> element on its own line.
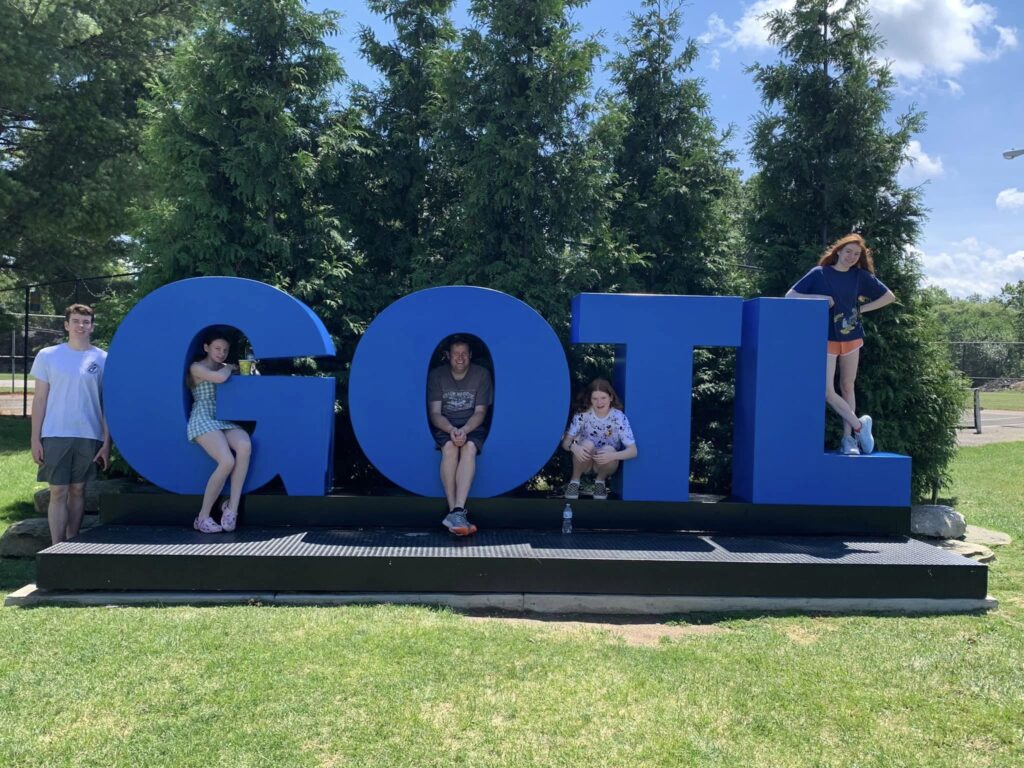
<point x="458" y="400"/>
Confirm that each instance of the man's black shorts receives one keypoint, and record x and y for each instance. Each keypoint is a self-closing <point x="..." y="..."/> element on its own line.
<point x="477" y="437"/>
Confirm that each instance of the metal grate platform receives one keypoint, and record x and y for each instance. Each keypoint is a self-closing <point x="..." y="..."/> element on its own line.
<point x="136" y="557"/>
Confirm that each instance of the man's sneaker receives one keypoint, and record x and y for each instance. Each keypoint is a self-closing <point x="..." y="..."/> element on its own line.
<point x="864" y="438"/>
<point x="206" y="525"/>
<point x="572" y="490"/>
<point x="600" y="490"/>
<point x="848" y="446"/>
<point x="457" y="523"/>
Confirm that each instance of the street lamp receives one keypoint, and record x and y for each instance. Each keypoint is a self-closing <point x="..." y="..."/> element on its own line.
<point x="1012" y="153"/>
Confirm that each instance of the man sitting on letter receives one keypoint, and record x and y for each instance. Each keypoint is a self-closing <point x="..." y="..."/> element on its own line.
<point x="458" y="395"/>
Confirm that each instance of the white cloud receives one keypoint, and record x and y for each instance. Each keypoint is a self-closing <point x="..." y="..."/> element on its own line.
<point x="919" y="166"/>
<point x="923" y="37"/>
<point x="955" y="89"/>
<point x="1010" y="199"/>
<point x="970" y="266"/>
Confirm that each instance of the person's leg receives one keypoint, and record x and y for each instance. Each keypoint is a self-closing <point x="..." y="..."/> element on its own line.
<point x="465" y="473"/>
<point x="57" y="513"/>
<point x="76" y="508"/>
<point x="604" y="471"/>
<point x="581" y="466"/>
<point x="216" y="445"/>
<point x="241" y="445"/>
<point x="847" y="378"/>
<point x="449" y="463"/>
<point x="833" y="398"/>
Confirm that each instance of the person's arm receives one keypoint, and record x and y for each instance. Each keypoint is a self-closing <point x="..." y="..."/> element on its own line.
<point x="438" y="419"/>
<point x="794" y="294"/>
<point x="568" y="441"/>
<point x="884" y="300"/>
<point x="102" y="456"/>
<point x="39" y="399"/>
<point x="200" y="372"/>
<point x="474" y="421"/>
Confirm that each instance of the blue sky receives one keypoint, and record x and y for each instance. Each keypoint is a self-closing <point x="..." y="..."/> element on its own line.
<point x="960" y="61"/>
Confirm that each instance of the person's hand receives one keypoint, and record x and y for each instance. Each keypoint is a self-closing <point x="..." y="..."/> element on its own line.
<point x="102" y="456"/>
<point x="604" y="456"/>
<point x="458" y="437"/>
<point x="581" y="453"/>
<point x="37" y="451"/>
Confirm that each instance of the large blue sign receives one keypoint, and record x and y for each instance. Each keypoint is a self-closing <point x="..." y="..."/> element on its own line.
<point x="147" y="403"/>
<point x="387" y="387"/>
<point x="779" y="421"/>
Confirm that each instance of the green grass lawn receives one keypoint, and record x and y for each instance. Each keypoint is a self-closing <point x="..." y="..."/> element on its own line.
<point x="1007" y="400"/>
<point x="405" y="686"/>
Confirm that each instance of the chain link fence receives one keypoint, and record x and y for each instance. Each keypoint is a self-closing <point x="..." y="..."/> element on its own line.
<point x="32" y="317"/>
<point x="996" y="372"/>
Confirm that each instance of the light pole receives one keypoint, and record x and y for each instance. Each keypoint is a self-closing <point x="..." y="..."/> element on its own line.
<point x="1012" y="153"/>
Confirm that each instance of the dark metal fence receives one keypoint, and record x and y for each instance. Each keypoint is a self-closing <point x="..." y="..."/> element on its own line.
<point x="32" y="317"/>
<point x="996" y="373"/>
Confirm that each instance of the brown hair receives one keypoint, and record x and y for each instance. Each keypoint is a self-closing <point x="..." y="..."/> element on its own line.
<point x="831" y="254"/>
<point x="78" y="309"/>
<point x="597" y="385"/>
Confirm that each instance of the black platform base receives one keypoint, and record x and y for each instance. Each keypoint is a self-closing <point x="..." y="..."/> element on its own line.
<point x="144" y="558"/>
<point x="530" y="511"/>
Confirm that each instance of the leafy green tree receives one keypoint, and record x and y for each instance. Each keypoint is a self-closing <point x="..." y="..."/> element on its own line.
<point x="676" y="201"/>
<point x="71" y="77"/>
<point x="827" y="162"/>
<point x="236" y="133"/>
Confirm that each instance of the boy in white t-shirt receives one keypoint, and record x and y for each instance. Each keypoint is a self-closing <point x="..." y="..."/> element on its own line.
<point x="69" y="433"/>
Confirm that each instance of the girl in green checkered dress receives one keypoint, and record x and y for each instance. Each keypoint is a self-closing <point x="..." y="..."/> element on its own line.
<point x="225" y="442"/>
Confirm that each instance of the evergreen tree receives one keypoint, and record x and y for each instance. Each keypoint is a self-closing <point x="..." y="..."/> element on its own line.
<point x="529" y="215"/>
<point x="236" y="130"/>
<point x="72" y="75"/>
<point x="826" y="163"/>
<point x="678" y="194"/>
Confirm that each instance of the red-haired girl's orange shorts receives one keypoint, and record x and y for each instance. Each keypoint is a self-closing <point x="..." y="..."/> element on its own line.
<point x="844" y="347"/>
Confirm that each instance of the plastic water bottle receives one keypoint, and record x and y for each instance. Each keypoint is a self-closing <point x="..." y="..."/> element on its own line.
<point x="567" y="519"/>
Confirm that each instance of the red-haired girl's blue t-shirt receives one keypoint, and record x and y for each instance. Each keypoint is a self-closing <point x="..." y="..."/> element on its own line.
<point x="848" y="290"/>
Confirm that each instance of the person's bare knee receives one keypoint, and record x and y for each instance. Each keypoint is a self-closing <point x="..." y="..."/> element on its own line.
<point x="58" y="494"/>
<point x="76" y="491"/>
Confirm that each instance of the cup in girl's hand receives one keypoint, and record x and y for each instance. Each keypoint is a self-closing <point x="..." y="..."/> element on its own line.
<point x="245" y="366"/>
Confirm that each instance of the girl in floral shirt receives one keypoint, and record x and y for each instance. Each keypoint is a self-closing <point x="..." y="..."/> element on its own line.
<point x="599" y="437"/>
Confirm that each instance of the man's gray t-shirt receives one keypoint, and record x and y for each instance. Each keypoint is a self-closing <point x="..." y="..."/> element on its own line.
<point x="459" y="398"/>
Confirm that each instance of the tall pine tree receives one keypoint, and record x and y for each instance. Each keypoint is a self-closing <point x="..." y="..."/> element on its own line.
<point x="529" y="213"/>
<point x="678" y="194"/>
<point x="827" y="162"/>
<point x="391" y="187"/>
